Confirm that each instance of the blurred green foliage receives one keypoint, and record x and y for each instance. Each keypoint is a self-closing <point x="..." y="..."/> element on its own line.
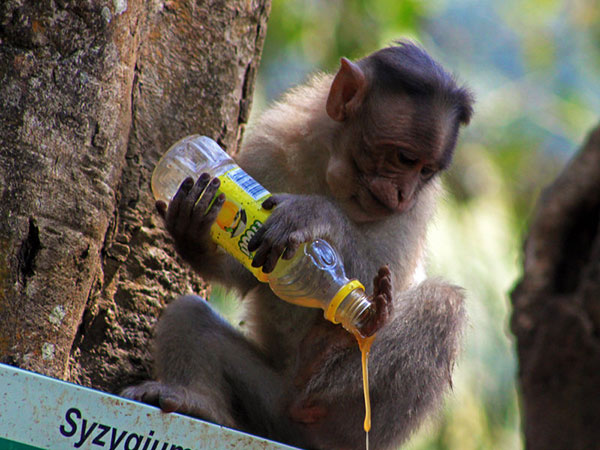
<point x="533" y="66"/>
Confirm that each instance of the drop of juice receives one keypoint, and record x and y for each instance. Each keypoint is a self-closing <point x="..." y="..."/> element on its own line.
<point x="364" y="344"/>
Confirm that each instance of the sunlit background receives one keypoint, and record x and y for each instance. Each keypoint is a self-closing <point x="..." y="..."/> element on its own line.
<point x="534" y="67"/>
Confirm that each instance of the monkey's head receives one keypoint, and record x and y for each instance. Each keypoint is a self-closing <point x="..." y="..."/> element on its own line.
<point x="399" y="114"/>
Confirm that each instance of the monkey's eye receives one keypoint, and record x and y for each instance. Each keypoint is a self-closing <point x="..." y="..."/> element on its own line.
<point x="406" y="160"/>
<point x="427" y="173"/>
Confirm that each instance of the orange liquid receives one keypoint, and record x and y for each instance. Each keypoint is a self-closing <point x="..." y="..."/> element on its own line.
<point x="364" y="344"/>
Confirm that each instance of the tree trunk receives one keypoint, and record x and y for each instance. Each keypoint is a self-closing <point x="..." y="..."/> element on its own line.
<point x="556" y="315"/>
<point x="92" y="92"/>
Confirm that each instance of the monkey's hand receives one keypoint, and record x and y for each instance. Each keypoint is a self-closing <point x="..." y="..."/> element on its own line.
<point x="190" y="216"/>
<point x="295" y="219"/>
<point x="382" y="299"/>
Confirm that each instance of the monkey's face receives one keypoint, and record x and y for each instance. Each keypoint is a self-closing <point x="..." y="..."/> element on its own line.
<point x="382" y="161"/>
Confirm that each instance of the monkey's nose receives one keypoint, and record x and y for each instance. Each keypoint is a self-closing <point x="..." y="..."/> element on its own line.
<point x="385" y="192"/>
<point x="400" y="196"/>
<point x="404" y="201"/>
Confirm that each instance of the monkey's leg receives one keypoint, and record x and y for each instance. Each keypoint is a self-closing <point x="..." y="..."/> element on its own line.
<point x="410" y="368"/>
<point x="207" y="369"/>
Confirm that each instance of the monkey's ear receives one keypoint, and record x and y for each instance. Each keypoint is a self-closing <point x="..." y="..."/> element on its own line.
<point x="347" y="91"/>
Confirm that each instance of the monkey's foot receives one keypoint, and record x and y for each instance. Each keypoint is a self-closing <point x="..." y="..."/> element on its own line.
<point x="155" y="393"/>
<point x="172" y="398"/>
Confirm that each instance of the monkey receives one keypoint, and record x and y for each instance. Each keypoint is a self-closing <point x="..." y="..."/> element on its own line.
<point x="353" y="158"/>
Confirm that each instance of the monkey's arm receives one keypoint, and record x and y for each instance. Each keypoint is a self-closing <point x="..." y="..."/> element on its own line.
<point x="397" y="241"/>
<point x="188" y="219"/>
<point x="410" y="368"/>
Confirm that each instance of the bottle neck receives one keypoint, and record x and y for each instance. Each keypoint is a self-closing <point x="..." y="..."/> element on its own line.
<point x="351" y="307"/>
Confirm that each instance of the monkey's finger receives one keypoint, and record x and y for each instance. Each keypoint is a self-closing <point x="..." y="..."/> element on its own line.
<point x="147" y="392"/>
<point x="173" y="210"/>
<point x="279" y="246"/>
<point x="161" y="207"/>
<point x="382" y="299"/>
<point x="383" y="286"/>
<point x="383" y="303"/>
<point x="294" y="241"/>
<point x="203" y="204"/>
<point x="257" y="239"/>
<point x="260" y="256"/>
<point x="383" y="294"/>
<point x="133" y="393"/>
<point x="202" y="220"/>
<point x="270" y="203"/>
<point x="188" y="202"/>
<point x="384" y="271"/>
<point x="383" y="280"/>
<point x="169" y="402"/>
<point x="383" y="311"/>
<point x="268" y="254"/>
<point x="381" y="315"/>
<point x="272" y="258"/>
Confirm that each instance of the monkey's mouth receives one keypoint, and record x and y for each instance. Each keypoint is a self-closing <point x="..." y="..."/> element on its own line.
<point x="374" y="208"/>
<point x="371" y="207"/>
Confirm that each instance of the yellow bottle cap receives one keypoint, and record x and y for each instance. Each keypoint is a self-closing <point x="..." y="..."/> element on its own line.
<point x="339" y="297"/>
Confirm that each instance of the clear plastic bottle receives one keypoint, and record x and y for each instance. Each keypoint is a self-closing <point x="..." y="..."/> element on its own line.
<point x="314" y="277"/>
<point x="241" y="215"/>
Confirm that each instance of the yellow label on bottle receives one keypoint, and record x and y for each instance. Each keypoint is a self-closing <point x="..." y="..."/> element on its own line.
<point x="240" y="217"/>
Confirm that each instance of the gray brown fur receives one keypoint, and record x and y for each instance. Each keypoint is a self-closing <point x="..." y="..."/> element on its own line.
<point x="295" y="377"/>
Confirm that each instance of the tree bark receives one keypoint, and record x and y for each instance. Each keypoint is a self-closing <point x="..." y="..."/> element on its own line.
<point x="556" y="316"/>
<point x="92" y="92"/>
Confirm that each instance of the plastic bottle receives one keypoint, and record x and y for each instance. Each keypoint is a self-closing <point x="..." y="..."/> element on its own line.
<point x="241" y="215"/>
<point x="314" y="277"/>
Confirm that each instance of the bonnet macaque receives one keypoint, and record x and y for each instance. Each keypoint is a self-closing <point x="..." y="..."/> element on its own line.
<point x="352" y="158"/>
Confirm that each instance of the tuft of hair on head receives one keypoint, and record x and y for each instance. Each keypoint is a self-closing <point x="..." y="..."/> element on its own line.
<point x="408" y="68"/>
